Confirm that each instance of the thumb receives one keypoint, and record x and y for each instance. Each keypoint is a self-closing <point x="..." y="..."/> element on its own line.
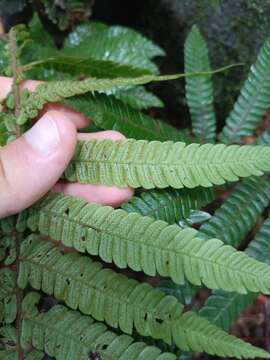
<point x="33" y="163"/>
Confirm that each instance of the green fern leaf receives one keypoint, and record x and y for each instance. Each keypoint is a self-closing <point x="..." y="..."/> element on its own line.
<point x="184" y="293"/>
<point x="7" y="249"/>
<point x="222" y="308"/>
<point x="8" y="341"/>
<point x="116" y="43"/>
<point x="8" y="225"/>
<point x="264" y="138"/>
<point x="125" y="53"/>
<point x="35" y="355"/>
<point x="109" y="113"/>
<point x="8" y="304"/>
<point x="56" y="91"/>
<point x="139" y="98"/>
<point x="8" y="355"/>
<point x="259" y="247"/>
<point x="169" y="205"/>
<point x="134" y="240"/>
<point x="11" y="353"/>
<point x="74" y="65"/>
<point x="199" y="89"/>
<point x="67" y="335"/>
<point x="239" y="213"/>
<point x="195" y="218"/>
<point x="156" y="164"/>
<point x="8" y="332"/>
<point x="85" y="285"/>
<point x="253" y="102"/>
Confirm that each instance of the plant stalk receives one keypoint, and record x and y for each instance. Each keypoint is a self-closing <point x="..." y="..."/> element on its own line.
<point x="16" y="76"/>
<point x="13" y="50"/>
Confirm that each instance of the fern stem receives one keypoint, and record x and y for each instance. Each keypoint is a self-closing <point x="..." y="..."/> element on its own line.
<point x="19" y="298"/>
<point x="13" y="50"/>
<point x="16" y="76"/>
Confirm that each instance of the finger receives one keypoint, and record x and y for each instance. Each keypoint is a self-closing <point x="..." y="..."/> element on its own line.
<point x="108" y="134"/>
<point x="100" y="194"/>
<point x="32" y="164"/>
<point x="106" y="195"/>
<point x="78" y="119"/>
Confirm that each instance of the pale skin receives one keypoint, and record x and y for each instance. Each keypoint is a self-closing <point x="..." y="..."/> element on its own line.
<point x="32" y="165"/>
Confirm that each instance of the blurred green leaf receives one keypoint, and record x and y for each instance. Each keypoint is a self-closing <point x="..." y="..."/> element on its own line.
<point x="138" y="98"/>
<point x="115" y="43"/>
<point x="111" y="114"/>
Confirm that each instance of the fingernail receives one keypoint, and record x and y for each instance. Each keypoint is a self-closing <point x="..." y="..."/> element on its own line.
<point x="44" y="136"/>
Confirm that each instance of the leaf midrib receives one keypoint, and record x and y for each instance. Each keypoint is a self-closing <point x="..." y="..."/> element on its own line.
<point x="252" y="275"/>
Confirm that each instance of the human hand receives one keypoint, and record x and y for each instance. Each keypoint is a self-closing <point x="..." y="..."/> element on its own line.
<point x="31" y="165"/>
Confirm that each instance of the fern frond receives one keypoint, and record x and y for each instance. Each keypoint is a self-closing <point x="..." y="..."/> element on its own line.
<point x="8" y="346"/>
<point x="253" y="101"/>
<point x="115" y="43"/>
<point x="8" y="225"/>
<point x="8" y="343"/>
<point x="35" y="355"/>
<point x="156" y="164"/>
<point x="8" y="304"/>
<point x="8" y="332"/>
<point x="67" y="335"/>
<point x="85" y="285"/>
<point x="222" y="308"/>
<point x="259" y="248"/>
<point x="199" y="89"/>
<point x="109" y="113"/>
<point x="135" y="241"/>
<point x="264" y="138"/>
<point x="169" y="205"/>
<point x="239" y="213"/>
<point x="139" y="98"/>
<point x="74" y="65"/>
<point x="57" y="91"/>
<point x="7" y="249"/>
<point x="184" y="293"/>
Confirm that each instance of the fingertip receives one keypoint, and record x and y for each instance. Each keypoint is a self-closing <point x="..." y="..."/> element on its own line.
<point x="34" y="162"/>
<point x="66" y="127"/>
<point x="119" y="196"/>
<point x="78" y="119"/>
<point x="102" y="135"/>
<point x="104" y="195"/>
<point x="5" y="88"/>
<point x="6" y="85"/>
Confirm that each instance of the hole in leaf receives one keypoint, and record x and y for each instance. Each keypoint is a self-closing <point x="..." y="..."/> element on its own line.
<point x="159" y="321"/>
